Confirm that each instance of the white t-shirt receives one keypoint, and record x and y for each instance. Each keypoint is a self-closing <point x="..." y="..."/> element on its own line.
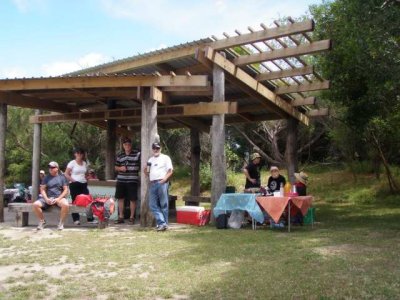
<point x="78" y="172"/>
<point x="160" y="165"/>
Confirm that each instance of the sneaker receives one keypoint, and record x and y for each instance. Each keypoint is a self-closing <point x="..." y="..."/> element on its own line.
<point x="77" y="222"/>
<point x="60" y="226"/>
<point x="41" y="225"/>
<point x="162" y="227"/>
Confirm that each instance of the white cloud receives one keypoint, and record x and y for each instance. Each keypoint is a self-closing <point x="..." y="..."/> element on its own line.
<point x="26" y="5"/>
<point x="198" y="19"/>
<point x="13" y="72"/>
<point x="63" y="67"/>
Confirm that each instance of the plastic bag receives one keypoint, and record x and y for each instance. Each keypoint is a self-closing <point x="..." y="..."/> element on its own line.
<point x="236" y="219"/>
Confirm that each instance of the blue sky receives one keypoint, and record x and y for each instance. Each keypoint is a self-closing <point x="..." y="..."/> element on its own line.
<point x="52" y="37"/>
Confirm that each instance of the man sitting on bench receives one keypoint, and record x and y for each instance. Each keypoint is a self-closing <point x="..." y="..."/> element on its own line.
<point x="53" y="190"/>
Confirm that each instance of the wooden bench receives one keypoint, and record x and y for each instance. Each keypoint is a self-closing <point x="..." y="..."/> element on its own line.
<point x="22" y="211"/>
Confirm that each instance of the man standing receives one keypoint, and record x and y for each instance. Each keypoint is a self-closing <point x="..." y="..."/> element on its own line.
<point x="53" y="190"/>
<point x="127" y="165"/>
<point x="159" y="169"/>
<point x="252" y="172"/>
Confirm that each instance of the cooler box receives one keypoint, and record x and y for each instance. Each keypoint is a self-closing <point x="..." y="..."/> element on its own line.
<point x="193" y="215"/>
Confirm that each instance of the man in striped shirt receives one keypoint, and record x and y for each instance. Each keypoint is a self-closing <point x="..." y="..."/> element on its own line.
<point x="127" y="165"/>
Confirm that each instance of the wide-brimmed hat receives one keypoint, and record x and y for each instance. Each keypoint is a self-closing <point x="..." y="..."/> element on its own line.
<point x="302" y="177"/>
<point x="255" y="155"/>
<point x="53" y="164"/>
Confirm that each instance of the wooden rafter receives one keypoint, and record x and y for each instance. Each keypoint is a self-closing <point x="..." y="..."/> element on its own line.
<point x="304" y="101"/>
<point x="318" y="112"/>
<point x="311" y="48"/>
<point x="200" y="109"/>
<point x="315" y="86"/>
<point x="85" y="82"/>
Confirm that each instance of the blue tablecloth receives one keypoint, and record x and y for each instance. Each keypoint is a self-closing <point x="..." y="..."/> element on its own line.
<point x="245" y="202"/>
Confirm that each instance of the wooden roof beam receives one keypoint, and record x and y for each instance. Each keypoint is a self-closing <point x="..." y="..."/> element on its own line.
<point x="263" y="35"/>
<point x="158" y="95"/>
<point x="85" y="82"/>
<point x="15" y="99"/>
<point x="270" y="99"/>
<point x="285" y="73"/>
<point x="200" y="109"/>
<point x="311" y="48"/>
<point x="315" y="86"/>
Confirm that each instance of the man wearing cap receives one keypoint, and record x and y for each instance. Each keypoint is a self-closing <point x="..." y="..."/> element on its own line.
<point x="127" y="164"/>
<point x="276" y="180"/>
<point x="53" y="190"/>
<point x="159" y="169"/>
<point x="252" y="172"/>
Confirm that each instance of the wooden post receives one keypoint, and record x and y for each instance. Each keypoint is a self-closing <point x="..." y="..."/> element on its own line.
<point x="111" y="139"/>
<point x="148" y="134"/>
<point x="37" y="141"/>
<point x="195" y="164"/>
<point x="218" y="165"/>
<point x="291" y="148"/>
<point x="3" y="128"/>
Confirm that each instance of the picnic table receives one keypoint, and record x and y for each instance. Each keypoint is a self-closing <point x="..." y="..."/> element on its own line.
<point x="275" y="206"/>
<point x="239" y="201"/>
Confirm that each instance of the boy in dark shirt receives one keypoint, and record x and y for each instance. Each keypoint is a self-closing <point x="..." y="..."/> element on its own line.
<point x="276" y="180"/>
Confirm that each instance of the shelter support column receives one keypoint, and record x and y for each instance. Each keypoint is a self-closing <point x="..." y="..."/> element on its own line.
<point x="37" y="147"/>
<point x="291" y="148"/>
<point x="3" y="127"/>
<point x="111" y="138"/>
<point x="218" y="165"/>
<point x="148" y="135"/>
<point x="195" y="164"/>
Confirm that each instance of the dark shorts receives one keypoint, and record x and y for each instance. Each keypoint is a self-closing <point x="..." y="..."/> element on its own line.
<point x="44" y="204"/>
<point x="126" y="191"/>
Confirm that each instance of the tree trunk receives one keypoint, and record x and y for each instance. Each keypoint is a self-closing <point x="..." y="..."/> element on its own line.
<point x="195" y="164"/>
<point x="291" y="148"/>
<point x="110" y="146"/>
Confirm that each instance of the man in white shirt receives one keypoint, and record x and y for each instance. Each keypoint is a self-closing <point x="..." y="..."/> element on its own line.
<point x="159" y="169"/>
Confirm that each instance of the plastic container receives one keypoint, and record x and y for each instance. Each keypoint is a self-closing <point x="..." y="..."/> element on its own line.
<point x="309" y="218"/>
<point x="193" y="215"/>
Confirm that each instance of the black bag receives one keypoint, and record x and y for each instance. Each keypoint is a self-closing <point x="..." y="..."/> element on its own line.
<point x="221" y="221"/>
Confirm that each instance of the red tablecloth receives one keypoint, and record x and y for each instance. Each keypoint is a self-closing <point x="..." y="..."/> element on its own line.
<point x="275" y="206"/>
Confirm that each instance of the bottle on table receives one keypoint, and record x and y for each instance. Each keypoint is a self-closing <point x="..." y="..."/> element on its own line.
<point x="281" y="190"/>
<point x="287" y="188"/>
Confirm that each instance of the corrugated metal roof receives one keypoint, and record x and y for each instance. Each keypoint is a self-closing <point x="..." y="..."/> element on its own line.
<point x="140" y="56"/>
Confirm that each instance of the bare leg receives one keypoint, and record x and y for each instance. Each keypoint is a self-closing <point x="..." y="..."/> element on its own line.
<point x="121" y="208"/>
<point x="133" y="208"/>
<point x="37" y="209"/>
<point x="63" y="204"/>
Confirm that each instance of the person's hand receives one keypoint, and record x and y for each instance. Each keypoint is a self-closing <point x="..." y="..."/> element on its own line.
<point x="162" y="181"/>
<point x="51" y="201"/>
<point x="122" y="169"/>
<point x="252" y="180"/>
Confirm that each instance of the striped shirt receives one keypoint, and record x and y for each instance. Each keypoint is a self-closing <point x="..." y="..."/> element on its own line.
<point x="132" y="163"/>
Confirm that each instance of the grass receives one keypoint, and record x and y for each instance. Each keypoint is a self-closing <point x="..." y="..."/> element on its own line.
<point x="353" y="252"/>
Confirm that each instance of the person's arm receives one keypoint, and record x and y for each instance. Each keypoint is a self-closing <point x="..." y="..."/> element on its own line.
<point x="167" y="176"/>
<point x="118" y="167"/>
<point x="63" y="194"/>
<point x="67" y="173"/>
<point x="168" y="165"/>
<point x="43" y="192"/>
<point x="246" y="173"/>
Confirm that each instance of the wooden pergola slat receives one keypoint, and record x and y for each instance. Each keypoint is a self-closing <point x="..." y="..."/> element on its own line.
<point x="315" y="86"/>
<point x="311" y="48"/>
<point x="285" y="73"/>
